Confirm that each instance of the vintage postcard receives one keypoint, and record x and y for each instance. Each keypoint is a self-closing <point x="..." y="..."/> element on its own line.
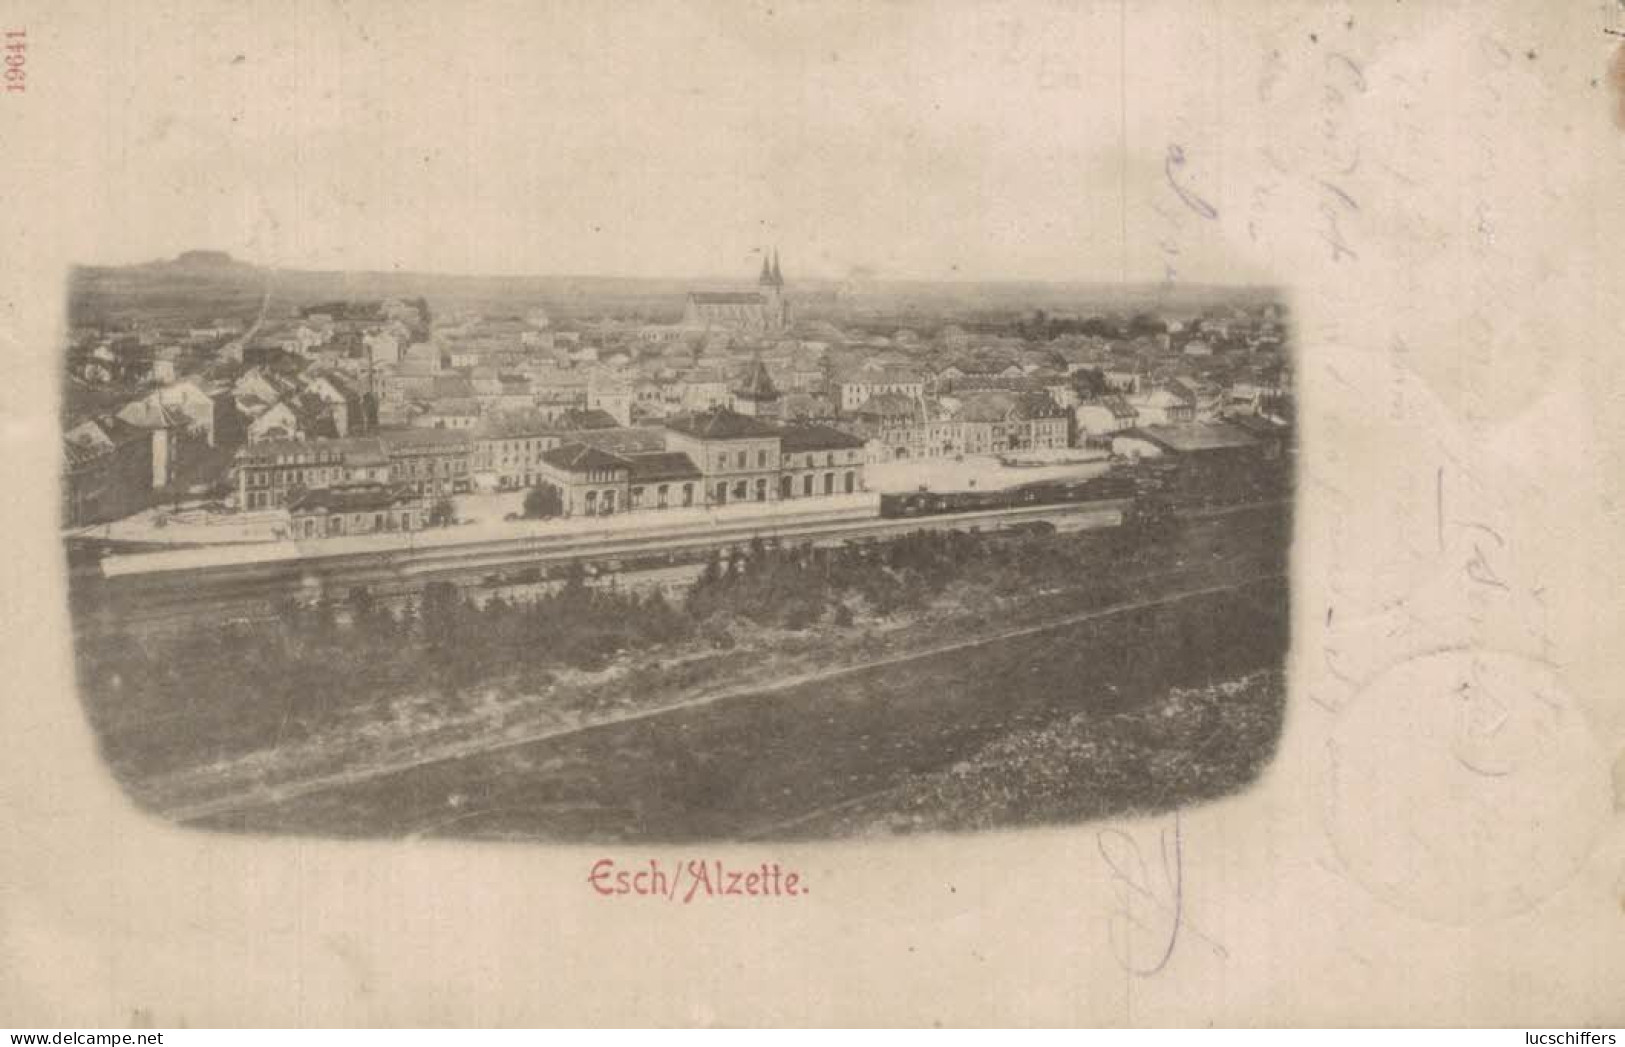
<point x="742" y="513"/>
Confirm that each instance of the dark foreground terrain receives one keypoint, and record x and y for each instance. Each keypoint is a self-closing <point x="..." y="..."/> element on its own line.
<point x="937" y="683"/>
<point x="781" y="763"/>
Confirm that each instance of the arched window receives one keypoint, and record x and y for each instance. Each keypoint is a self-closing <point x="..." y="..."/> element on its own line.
<point x="851" y="482"/>
<point x="784" y="486"/>
<point x="829" y="483"/>
<point x="807" y="484"/>
<point x="761" y="489"/>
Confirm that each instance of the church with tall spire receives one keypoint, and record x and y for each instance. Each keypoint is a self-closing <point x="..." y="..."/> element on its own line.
<point x="763" y="311"/>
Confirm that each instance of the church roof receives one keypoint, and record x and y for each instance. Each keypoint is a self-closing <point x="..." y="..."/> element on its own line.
<point x="771" y="277"/>
<point x="726" y="298"/>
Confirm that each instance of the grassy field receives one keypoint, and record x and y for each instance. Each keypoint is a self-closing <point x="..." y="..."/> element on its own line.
<point x="898" y="737"/>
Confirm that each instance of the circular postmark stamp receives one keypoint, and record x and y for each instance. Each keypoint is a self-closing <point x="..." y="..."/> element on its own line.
<point x="1464" y="786"/>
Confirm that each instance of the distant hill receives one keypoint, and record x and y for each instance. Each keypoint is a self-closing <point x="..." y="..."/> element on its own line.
<point x="195" y="259"/>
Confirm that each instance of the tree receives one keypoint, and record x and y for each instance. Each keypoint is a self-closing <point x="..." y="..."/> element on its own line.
<point x="1089" y="383"/>
<point x="442" y="512"/>
<point x="543" y="501"/>
<point x="1145" y="324"/>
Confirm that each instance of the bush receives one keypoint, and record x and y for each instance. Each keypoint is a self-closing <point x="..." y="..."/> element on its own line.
<point x="543" y="501"/>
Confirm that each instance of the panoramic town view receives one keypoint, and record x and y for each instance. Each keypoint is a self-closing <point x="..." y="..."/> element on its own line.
<point x="753" y="556"/>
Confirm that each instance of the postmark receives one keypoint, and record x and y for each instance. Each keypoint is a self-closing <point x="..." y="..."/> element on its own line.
<point x="1464" y="786"/>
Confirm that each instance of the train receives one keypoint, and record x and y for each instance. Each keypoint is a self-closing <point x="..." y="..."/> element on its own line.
<point x="1109" y="487"/>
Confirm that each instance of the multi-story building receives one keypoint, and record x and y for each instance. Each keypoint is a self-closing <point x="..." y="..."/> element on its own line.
<point x="269" y="473"/>
<point x="434" y="462"/>
<point x="994" y="423"/>
<point x="819" y="460"/>
<point x="857" y="387"/>
<point x="594" y="482"/>
<point x="896" y="427"/>
<point x="738" y="455"/>
<point x="703" y="390"/>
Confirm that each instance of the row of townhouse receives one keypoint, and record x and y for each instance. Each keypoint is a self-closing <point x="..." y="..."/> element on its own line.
<point x="989" y="422"/>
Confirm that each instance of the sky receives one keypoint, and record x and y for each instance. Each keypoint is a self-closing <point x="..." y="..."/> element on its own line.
<point x="920" y="141"/>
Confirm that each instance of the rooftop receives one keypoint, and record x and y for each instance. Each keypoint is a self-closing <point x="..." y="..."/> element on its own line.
<point x="270" y="451"/>
<point x="1118" y="406"/>
<point x="1003" y="406"/>
<point x="888" y="405"/>
<point x="721" y="425"/>
<point x="578" y="457"/>
<point x="592" y="418"/>
<point x="424" y="439"/>
<point x="624" y="440"/>
<point x="661" y="465"/>
<point x="350" y="498"/>
<point x="758" y="384"/>
<point x="798" y="438"/>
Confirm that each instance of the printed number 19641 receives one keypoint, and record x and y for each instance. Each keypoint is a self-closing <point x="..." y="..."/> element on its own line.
<point x="16" y="49"/>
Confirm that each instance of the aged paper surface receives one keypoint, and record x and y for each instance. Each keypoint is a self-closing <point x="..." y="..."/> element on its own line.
<point x="1436" y="191"/>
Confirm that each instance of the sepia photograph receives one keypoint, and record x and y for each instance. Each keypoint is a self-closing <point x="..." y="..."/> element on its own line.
<point x="570" y="558"/>
<point x="1079" y="513"/>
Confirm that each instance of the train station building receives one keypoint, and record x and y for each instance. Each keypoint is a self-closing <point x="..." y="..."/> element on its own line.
<point x="716" y="458"/>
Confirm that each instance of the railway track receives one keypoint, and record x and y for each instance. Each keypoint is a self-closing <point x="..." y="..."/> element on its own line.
<point x="177" y="596"/>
